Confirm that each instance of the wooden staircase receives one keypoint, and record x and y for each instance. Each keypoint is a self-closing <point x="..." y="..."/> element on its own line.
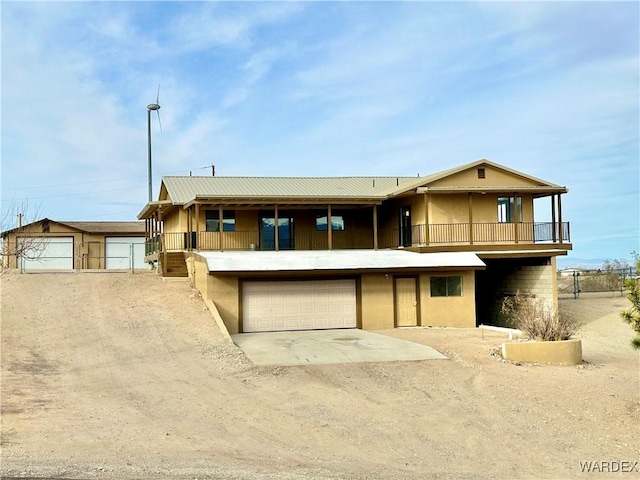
<point x="174" y="265"/>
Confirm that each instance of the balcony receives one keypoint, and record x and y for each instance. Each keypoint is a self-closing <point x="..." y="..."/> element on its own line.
<point x="490" y="233"/>
<point x="431" y="237"/>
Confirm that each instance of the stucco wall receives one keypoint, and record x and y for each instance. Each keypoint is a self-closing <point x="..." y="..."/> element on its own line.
<point x="493" y="177"/>
<point x="448" y="311"/>
<point x="376" y="301"/>
<point x="224" y="292"/>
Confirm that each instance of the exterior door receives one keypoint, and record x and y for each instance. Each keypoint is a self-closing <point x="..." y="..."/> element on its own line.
<point x="406" y="302"/>
<point x="405" y="226"/>
<point x="284" y="232"/>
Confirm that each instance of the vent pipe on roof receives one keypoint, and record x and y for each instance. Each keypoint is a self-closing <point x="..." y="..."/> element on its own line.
<point x="19" y="220"/>
<point x="374" y="183"/>
<point x="213" y="170"/>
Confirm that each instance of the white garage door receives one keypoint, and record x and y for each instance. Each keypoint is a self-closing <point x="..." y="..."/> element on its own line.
<point x="52" y="253"/>
<point x="119" y="252"/>
<point x="302" y="305"/>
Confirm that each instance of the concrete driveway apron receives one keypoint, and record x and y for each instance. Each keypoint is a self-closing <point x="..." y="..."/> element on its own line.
<point x="320" y="347"/>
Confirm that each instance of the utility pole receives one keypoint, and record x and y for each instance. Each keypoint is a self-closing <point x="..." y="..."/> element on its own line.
<point x="213" y="170"/>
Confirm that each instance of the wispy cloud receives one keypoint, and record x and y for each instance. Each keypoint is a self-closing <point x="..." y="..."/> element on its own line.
<point x="295" y="88"/>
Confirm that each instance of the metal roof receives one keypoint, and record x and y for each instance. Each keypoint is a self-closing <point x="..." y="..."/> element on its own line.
<point x="128" y="228"/>
<point x="107" y="227"/>
<point x="182" y="190"/>
<point x="328" y="260"/>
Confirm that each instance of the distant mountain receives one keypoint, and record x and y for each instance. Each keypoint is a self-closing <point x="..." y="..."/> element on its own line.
<point x="583" y="263"/>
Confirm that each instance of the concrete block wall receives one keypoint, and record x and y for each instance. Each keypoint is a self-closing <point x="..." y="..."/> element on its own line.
<point x="534" y="280"/>
<point x="530" y="276"/>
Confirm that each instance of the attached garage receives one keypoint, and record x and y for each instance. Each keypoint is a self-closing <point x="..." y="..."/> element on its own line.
<point x="120" y="252"/>
<point x="298" y="305"/>
<point x="48" y="253"/>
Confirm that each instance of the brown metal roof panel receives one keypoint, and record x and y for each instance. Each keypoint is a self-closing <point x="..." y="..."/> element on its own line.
<point x="108" y="227"/>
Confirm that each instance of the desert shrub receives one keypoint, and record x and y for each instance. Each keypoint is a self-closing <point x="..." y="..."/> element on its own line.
<point x="536" y="319"/>
<point x="632" y="315"/>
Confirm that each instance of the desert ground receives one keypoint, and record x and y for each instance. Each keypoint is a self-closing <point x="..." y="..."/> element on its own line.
<point x="121" y="376"/>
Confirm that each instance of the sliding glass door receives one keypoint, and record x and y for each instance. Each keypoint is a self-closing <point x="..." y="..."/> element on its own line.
<point x="268" y="232"/>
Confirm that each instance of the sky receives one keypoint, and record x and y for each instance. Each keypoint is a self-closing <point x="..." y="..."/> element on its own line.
<point x="321" y="89"/>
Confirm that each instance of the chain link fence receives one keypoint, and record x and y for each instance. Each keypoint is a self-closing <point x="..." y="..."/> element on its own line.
<point x="573" y="283"/>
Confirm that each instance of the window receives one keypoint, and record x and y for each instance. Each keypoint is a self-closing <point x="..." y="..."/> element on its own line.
<point x="446" y="286"/>
<point x="481" y="173"/>
<point x="337" y="223"/>
<point x="506" y="211"/>
<point x="212" y="221"/>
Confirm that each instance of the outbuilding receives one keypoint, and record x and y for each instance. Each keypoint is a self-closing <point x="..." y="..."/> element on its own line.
<point x="71" y="245"/>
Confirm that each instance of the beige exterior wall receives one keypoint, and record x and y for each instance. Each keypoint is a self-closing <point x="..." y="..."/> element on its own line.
<point x="454" y="208"/>
<point x="224" y="291"/>
<point x="448" y="311"/>
<point x="493" y="177"/>
<point x="449" y="209"/>
<point x="175" y="221"/>
<point x="377" y="302"/>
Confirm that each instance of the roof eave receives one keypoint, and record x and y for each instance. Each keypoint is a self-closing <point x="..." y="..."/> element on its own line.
<point x="152" y="207"/>
<point x="545" y="190"/>
<point x="281" y="200"/>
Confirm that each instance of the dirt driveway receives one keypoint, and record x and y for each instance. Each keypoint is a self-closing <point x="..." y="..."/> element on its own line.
<point x="108" y="375"/>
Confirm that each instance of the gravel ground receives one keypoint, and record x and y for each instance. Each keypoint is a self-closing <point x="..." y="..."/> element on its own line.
<point x="111" y="376"/>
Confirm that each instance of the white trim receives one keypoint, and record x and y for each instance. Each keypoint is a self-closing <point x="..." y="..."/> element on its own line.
<point x="331" y="260"/>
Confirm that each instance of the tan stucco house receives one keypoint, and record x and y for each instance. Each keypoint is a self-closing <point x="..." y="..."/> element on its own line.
<point x="69" y="245"/>
<point x="367" y="252"/>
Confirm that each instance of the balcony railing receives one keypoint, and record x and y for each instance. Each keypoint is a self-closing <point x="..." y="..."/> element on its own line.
<point x="489" y="233"/>
<point x="420" y="235"/>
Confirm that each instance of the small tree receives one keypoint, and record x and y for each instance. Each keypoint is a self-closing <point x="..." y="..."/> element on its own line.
<point x="632" y="316"/>
<point x="536" y="319"/>
<point x="613" y="271"/>
<point x="19" y="242"/>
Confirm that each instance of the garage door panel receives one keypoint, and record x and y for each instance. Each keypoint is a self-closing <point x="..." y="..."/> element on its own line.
<point x="301" y="305"/>
<point x="54" y="253"/>
<point x="118" y="252"/>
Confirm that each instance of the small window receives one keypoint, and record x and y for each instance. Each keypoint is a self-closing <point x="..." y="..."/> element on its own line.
<point x="212" y="221"/>
<point x="337" y="223"/>
<point x="506" y="210"/>
<point x="446" y="286"/>
<point x="481" y="173"/>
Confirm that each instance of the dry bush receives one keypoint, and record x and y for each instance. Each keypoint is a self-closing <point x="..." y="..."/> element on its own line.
<point x="537" y="320"/>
